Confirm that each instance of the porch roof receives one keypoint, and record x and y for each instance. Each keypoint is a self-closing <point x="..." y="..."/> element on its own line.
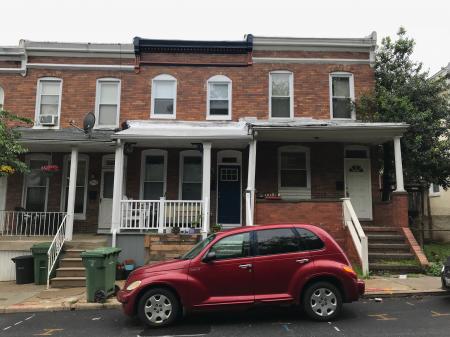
<point x="181" y="131"/>
<point x="63" y="139"/>
<point x="305" y="129"/>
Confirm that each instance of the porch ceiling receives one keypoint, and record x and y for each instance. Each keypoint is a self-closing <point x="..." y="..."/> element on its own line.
<point x="327" y="131"/>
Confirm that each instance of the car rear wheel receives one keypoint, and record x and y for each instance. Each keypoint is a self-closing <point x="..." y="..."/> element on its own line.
<point x="158" y="307"/>
<point x="322" y="301"/>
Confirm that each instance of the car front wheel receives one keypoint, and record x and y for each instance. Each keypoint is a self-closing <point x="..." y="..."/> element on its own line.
<point x="322" y="301"/>
<point x="158" y="307"/>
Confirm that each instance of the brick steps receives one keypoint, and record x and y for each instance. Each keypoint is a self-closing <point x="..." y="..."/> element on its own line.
<point x="388" y="247"/>
<point x="168" y="247"/>
<point x="390" y="256"/>
<point x="378" y="268"/>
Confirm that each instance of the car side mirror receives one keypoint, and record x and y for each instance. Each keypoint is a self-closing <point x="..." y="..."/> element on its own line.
<point x="211" y="256"/>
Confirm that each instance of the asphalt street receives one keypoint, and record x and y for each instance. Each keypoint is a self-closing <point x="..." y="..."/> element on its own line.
<point x="412" y="316"/>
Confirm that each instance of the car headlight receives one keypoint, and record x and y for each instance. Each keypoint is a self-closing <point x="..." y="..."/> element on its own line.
<point x="133" y="285"/>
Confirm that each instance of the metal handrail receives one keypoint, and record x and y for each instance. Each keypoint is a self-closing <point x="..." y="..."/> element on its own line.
<point x="29" y="223"/>
<point x="357" y="233"/>
<point x="55" y="248"/>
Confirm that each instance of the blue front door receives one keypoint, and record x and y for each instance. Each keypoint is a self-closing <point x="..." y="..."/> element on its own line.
<point x="229" y="195"/>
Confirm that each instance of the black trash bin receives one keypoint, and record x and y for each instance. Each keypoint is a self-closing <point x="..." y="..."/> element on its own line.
<point x="24" y="269"/>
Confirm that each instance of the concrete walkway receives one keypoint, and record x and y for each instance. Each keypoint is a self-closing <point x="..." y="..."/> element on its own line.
<point x="33" y="298"/>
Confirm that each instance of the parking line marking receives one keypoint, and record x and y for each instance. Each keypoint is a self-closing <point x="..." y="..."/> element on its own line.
<point x="7" y="327"/>
<point x="438" y="314"/>
<point x="383" y="317"/>
<point x="336" y="328"/>
<point x="409" y="303"/>
<point x="29" y="317"/>
<point x="18" y="323"/>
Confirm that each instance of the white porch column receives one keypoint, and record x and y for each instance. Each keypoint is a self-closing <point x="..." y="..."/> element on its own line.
<point x="206" y="187"/>
<point x="118" y="185"/>
<point x="72" y="191"/>
<point x="250" y="192"/>
<point x="398" y="165"/>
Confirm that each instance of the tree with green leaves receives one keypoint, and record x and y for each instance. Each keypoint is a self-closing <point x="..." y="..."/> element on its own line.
<point x="405" y="93"/>
<point x="10" y="148"/>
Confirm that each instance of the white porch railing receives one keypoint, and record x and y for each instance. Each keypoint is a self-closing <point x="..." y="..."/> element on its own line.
<point x="24" y="223"/>
<point x="55" y="248"/>
<point x="161" y="215"/>
<point x="357" y="233"/>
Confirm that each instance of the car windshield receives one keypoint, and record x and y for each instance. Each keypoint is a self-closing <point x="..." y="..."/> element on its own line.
<point x="198" y="248"/>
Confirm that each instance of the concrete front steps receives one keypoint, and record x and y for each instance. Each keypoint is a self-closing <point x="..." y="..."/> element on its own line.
<point x="71" y="272"/>
<point x="389" y="251"/>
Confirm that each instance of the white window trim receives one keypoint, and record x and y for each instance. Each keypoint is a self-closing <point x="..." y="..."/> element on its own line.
<point x="37" y="112"/>
<point x="97" y="102"/>
<point x="434" y="194"/>
<point x="65" y="182"/>
<point x="187" y="153"/>
<point x="152" y="152"/>
<point x="28" y="158"/>
<point x="219" y="79"/>
<point x="291" y="91"/>
<point x="164" y="77"/>
<point x="352" y="93"/>
<point x="2" y="97"/>
<point x="295" y="193"/>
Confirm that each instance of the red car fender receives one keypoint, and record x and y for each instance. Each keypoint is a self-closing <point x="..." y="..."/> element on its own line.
<point x="320" y="269"/>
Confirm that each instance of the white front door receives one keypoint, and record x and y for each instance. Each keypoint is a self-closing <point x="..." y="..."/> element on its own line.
<point x="358" y="186"/>
<point x="3" y="184"/>
<point x="106" y="199"/>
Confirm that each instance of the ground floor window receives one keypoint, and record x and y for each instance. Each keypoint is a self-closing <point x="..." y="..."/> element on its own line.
<point x="191" y="175"/>
<point x="36" y="184"/>
<point x="153" y="174"/>
<point x="294" y="172"/>
<point x="81" y="186"/>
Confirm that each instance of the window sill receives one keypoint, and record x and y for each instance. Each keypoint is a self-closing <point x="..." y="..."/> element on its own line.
<point x="152" y="116"/>
<point x="218" y="118"/>
<point x="43" y="127"/>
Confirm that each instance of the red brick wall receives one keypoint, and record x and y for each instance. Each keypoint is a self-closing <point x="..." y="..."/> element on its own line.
<point x="250" y="88"/>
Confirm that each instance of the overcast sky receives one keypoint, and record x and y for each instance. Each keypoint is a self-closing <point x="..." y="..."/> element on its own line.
<point x="428" y="22"/>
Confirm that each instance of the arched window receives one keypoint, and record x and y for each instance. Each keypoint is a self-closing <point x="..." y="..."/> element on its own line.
<point x="294" y="172"/>
<point x="342" y="96"/>
<point x="219" y="98"/>
<point x="107" y="103"/>
<point x="281" y="94"/>
<point x="164" y="97"/>
<point x="153" y="174"/>
<point x="48" y="102"/>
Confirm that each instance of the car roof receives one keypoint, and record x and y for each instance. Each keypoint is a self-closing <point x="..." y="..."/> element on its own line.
<point x="260" y="227"/>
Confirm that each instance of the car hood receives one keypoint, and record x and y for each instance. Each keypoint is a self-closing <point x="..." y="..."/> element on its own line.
<point x="163" y="266"/>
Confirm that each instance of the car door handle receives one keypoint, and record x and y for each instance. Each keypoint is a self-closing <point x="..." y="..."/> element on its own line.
<point x="245" y="266"/>
<point x="302" y="261"/>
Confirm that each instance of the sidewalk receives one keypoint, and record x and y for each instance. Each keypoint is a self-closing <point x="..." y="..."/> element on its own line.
<point x="378" y="286"/>
<point x="32" y="298"/>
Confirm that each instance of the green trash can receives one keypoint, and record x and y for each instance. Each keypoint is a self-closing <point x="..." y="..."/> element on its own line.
<point x="39" y="251"/>
<point x="100" y="265"/>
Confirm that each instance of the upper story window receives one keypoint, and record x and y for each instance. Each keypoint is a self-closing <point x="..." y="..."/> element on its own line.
<point x="107" y="103"/>
<point x="342" y="96"/>
<point x="219" y="98"/>
<point x="294" y="177"/>
<point x="2" y="98"/>
<point x="48" y="102"/>
<point x="164" y="97"/>
<point x="281" y="94"/>
<point x="435" y="190"/>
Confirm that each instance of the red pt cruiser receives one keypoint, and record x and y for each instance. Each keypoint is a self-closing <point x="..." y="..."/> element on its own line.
<point x="298" y="264"/>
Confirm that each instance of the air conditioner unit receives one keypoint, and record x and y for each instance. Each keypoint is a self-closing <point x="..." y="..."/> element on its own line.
<point x="48" y="120"/>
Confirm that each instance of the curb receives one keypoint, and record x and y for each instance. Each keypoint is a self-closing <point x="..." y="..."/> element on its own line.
<point x="437" y="292"/>
<point x="61" y="307"/>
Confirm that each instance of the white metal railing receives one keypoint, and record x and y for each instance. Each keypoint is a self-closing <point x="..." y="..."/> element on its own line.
<point x="357" y="233"/>
<point x="161" y="214"/>
<point x="24" y="223"/>
<point x="55" y="248"/>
